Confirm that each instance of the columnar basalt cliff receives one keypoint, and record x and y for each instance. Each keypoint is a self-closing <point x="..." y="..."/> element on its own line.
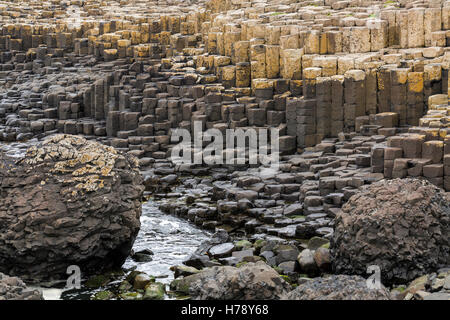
<point x="358" y="89"/>
<point x="130" y="72"/>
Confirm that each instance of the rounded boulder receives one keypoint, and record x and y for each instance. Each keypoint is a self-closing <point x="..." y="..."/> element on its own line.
<point x="67" y="201"/>
<point x="401" y="226"/>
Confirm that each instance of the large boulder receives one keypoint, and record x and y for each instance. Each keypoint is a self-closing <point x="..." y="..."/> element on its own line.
<point x="400" y="225"/>
<point x="13" y="288"/>
<point x="67" y="201"/>
<point x="337" y="287"/>
<point x="252" y="281"/>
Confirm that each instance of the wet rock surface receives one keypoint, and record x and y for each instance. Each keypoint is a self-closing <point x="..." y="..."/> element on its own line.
<point x="164" y="240"/>
<point x="430" y="286"/>
<point x="68" y="201"/>
<point x="13" y="288"/>
<point x="358" y="91"/>
<point x="253" y="281"/>
<point x="402" y="226"/>
<point x="337" y="287"/>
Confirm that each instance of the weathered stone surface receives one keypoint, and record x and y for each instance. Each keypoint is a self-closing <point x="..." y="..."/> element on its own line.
<point x="402" y="226"/>
<point x="337" y="287"/>
<point x="68" y="201"/>
<point x="13" y="288"/>
<point x="306" y="262"/>
<point x="358" y="88"/>
<point x="253" y="281"/>
<point x="221" y="250"/>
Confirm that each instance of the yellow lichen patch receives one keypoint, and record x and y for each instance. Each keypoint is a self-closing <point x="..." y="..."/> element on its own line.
<point x="434" y="133"/>
<point x="415" y="82"/>
<point x="88" y="184"/>
<point x="106" y="171"/>
<point x="81" y="171"/>
<point x="86" y="157"/>
<point x="77" y="161"/>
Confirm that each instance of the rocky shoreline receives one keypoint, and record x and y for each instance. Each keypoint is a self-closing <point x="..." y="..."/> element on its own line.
<point x="299" y="265"/>
<point x="357" y="92"/>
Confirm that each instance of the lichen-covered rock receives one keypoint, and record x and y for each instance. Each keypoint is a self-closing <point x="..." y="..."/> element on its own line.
<point x="13" y="288"/>
<point x="67" y="201"/>
<point x="402" y="226"/>
<point x="252" y="281"/>
<point x="337" y="287"/>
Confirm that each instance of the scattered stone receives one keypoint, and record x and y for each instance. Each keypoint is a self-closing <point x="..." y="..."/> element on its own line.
<point x="356" y="99"/>
<point x="13" y="288"/>
<point x="437" y="296"/>
<point x="142" y="256"/>
<point x="221" y="250"/>
<point x="243" y="244"/>
<point x="252" y="281"/>
<point x="142" y="280"/>
<point x="92" y="194"/>
<point x="184" y="271"/>
<point x="154" y="291"/>
<point x="306" y="262"/>
<point x="285" y="253"/>
<point x="337" y="287"/>
<point x="103" y="295"/>
<point x="322" y="259"/>
<point x="316" y="242"/>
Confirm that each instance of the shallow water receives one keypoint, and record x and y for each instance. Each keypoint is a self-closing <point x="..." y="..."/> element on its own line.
<point x="16" y="150"/>
<point x="171" y="239"/>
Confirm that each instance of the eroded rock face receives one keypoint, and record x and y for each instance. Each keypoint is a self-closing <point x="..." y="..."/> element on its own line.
<point x="12" y="288"/>
<point x="253" y="281"/>
<point x="68" y="201"/>
<point x="402" y="226"/>
<point x="337" y="287"/>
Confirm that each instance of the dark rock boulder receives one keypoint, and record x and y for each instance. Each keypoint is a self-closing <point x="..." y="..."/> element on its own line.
<point x="252" y="281"/>
<point x="67" y="201"/>
<point x="402" y="226"/>
<point x="337" y="287"/>
<point x="200" y="259"/>
<point x="12" y="288"/>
